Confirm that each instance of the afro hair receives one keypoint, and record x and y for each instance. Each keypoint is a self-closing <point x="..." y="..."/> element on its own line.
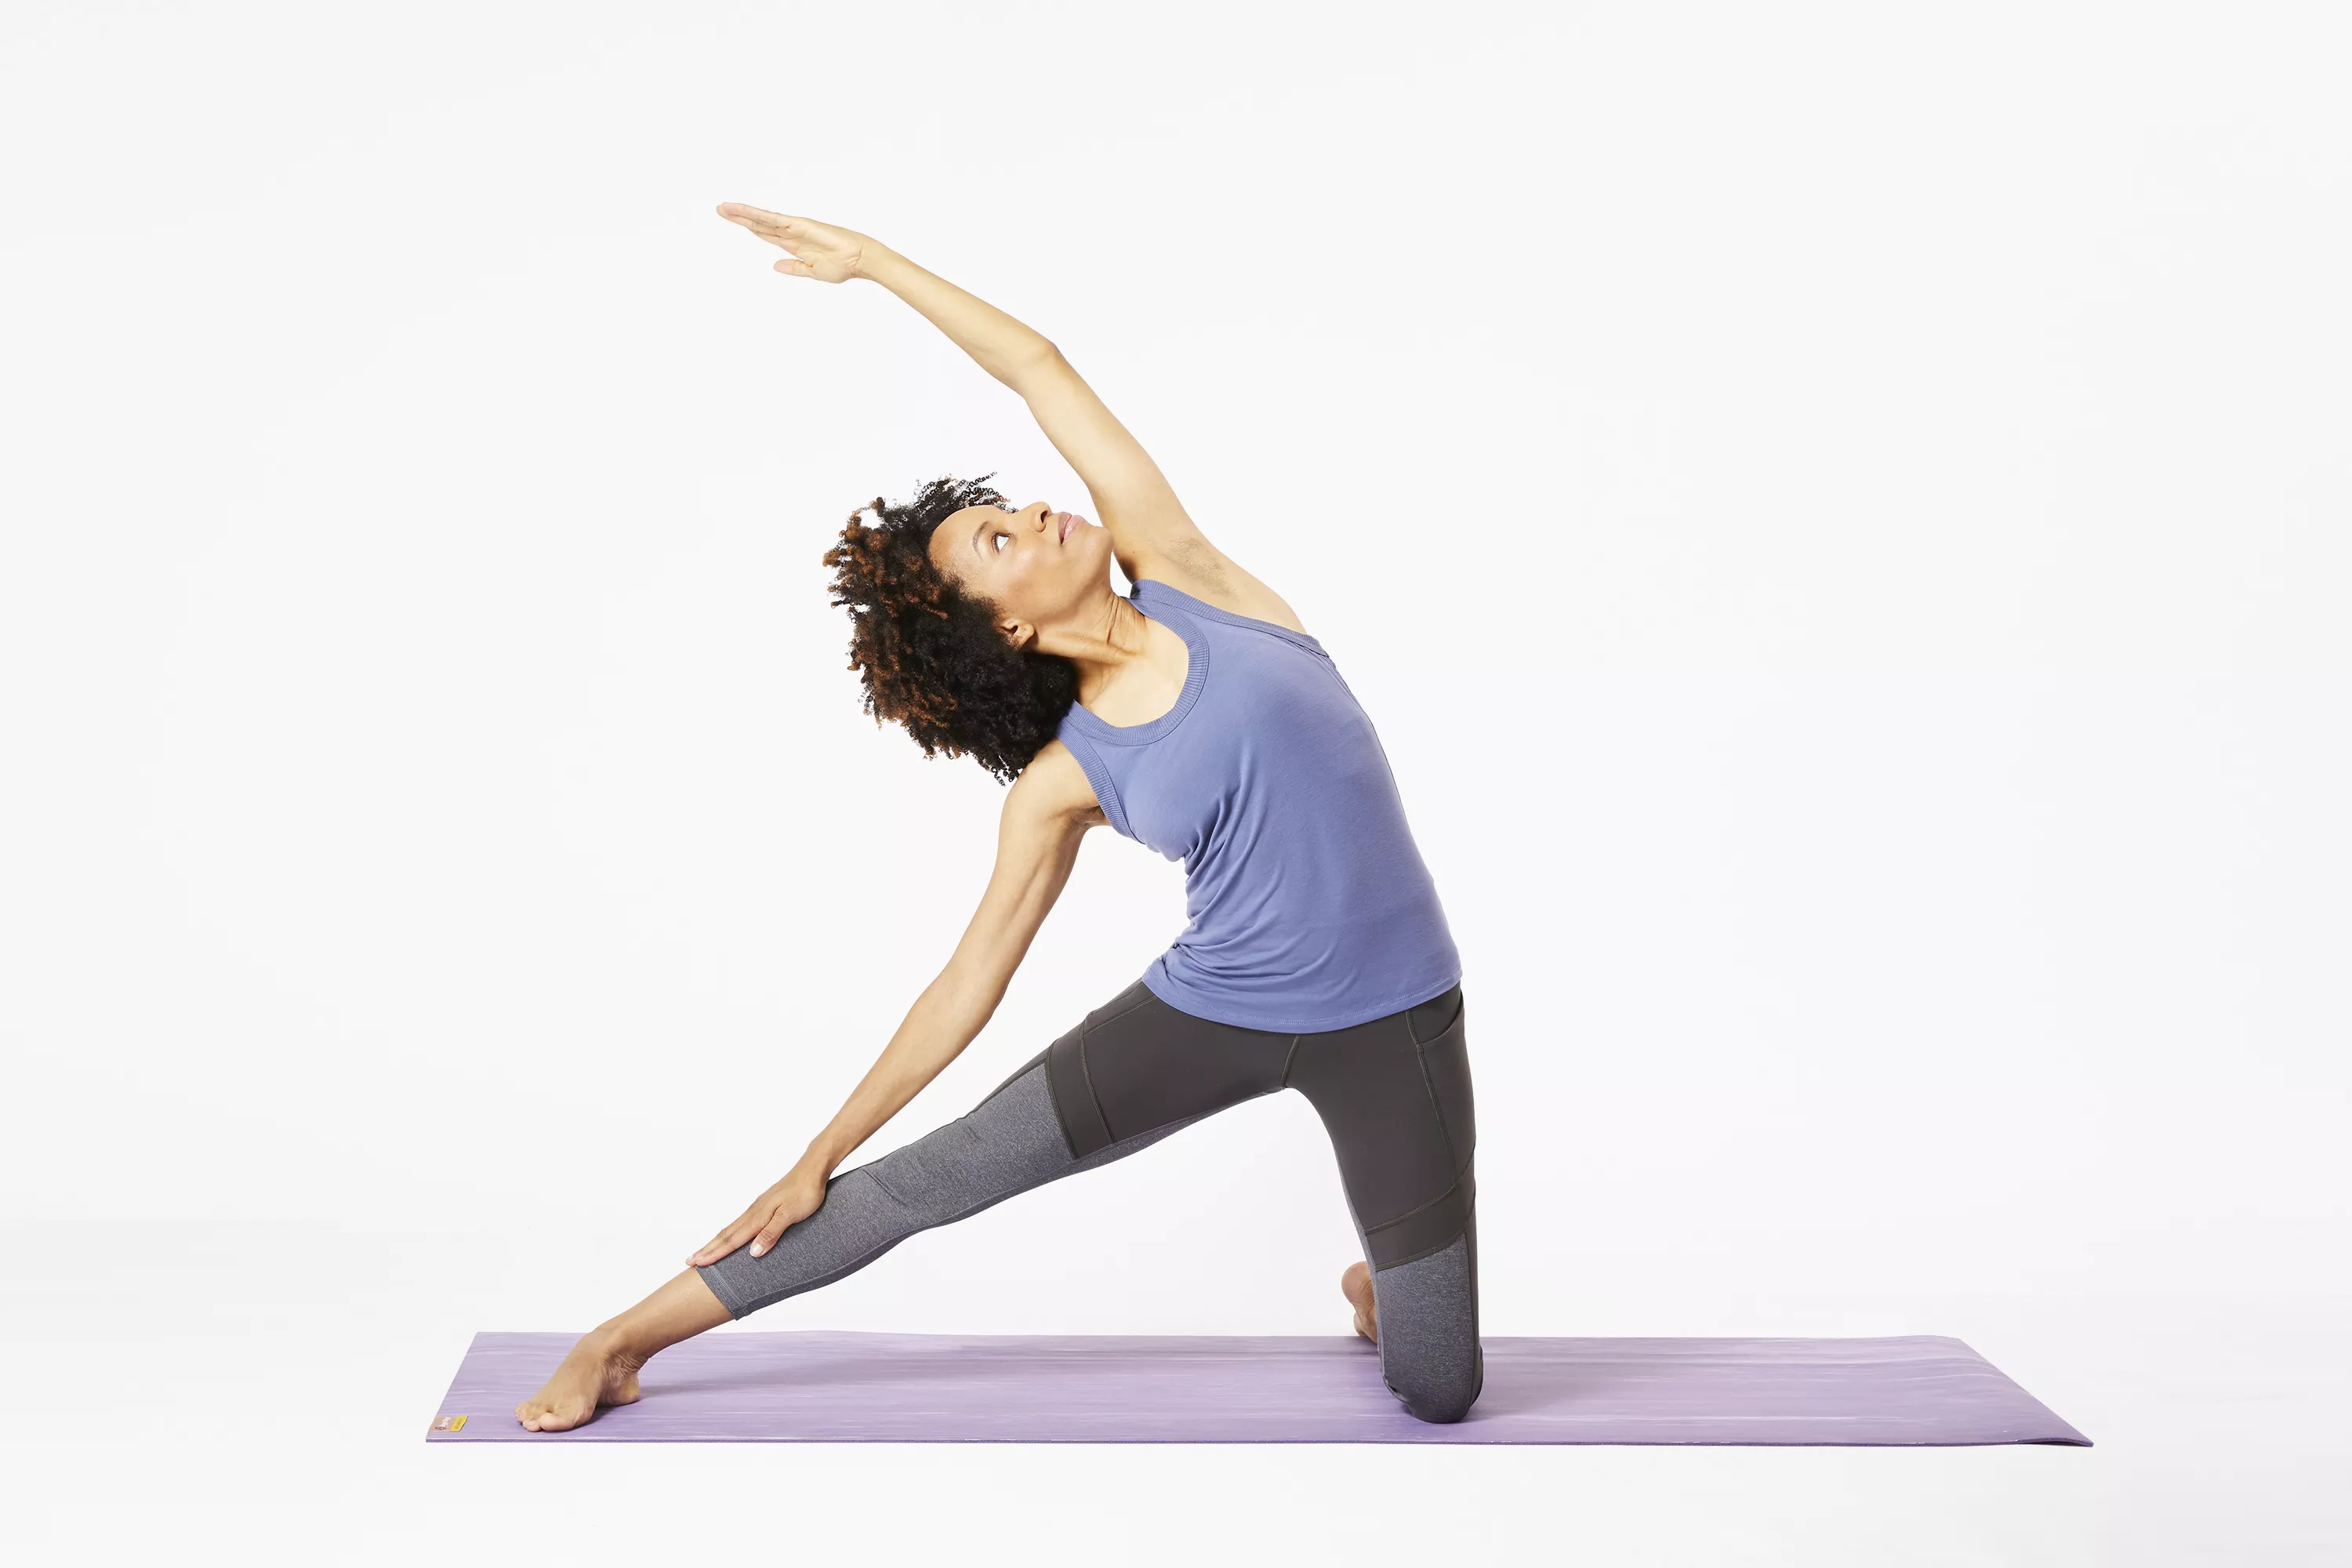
<point x="928" y="655"/>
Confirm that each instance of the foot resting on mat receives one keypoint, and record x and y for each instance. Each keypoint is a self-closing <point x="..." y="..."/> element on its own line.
<point x="1356" y="1283"/>
<point x="595" y="1374"/>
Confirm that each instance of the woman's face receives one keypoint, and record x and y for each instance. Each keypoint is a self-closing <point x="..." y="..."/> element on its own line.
<point x="1039" y="567"/>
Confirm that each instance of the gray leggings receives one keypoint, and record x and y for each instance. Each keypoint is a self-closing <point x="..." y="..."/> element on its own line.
<point x="1394" y="1094"/>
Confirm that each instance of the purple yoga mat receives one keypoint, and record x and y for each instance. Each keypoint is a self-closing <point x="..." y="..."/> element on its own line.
<point x="825" y="1386"/>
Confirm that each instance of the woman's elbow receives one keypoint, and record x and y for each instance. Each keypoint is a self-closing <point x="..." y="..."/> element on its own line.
<point x="1037" y="364"/>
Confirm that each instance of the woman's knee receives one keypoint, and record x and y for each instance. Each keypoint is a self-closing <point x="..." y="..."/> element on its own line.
<point x="1440" y="1400"/>
<point x="1429" y="1352"/>
<point x="1443" y="1413"/>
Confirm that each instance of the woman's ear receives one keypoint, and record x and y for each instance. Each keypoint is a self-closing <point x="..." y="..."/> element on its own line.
<point x="1020" y="633"/>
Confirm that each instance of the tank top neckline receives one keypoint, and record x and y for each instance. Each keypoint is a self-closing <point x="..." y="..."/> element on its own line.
<point x="1196" y="675"/>
<point x="1182" y="613"/>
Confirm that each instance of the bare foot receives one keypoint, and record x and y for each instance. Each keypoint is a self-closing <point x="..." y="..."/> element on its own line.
<point x="594" y="1373"/>
<point x="1356" y="1283"/>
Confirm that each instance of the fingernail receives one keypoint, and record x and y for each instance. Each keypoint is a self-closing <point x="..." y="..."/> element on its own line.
<point x="757" y="1249"/>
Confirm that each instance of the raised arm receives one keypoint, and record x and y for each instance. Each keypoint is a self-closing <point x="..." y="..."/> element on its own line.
<point x="1047" y="813"/>
<point x="1151" y="534"/>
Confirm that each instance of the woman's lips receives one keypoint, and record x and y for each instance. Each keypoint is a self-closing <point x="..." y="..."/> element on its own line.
<point x="1069" y="521"/>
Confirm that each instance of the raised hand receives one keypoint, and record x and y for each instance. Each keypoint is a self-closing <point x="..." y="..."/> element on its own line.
<point x="816" y="249"/>
<point x="798" y="1195"/>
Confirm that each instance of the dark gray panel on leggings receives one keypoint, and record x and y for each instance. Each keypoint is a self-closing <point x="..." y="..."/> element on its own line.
<point x="1429" y="1228"/>
<point x="1368" y="1085"/>
<point x="1393" y="1094"/>
<point x="1152" y="1065"/>
<point x="1446" y="1059"/>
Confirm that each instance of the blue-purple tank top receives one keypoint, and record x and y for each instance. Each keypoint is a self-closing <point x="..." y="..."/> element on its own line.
<point x="1310" y="906"/>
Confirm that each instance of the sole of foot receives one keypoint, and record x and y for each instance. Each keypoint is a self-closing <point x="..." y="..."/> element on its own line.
<point x="592" y="1375"/>
<point x="1356" y="1284"/>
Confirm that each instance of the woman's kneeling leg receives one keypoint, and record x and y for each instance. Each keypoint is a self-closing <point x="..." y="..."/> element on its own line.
<point x="1428" y="1322"/>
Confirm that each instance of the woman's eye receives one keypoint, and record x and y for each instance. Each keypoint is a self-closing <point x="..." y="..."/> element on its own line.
<point x="1001" y="539"/>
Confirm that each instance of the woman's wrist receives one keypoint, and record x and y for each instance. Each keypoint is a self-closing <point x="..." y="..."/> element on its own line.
<point x="874" y="260"/>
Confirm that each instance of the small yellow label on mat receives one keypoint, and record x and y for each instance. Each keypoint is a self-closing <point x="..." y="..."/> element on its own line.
<point x="449" y="1423"/>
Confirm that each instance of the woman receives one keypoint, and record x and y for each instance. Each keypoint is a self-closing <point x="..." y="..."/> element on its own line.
<point x="1198" y="717"/>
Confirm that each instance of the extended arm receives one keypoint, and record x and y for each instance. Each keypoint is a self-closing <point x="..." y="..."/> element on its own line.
<point x="1150" y="533"/>
<point x="1149" y="526"/>
<point x="1046" y="814"/>
<point x="1038" y="833"/>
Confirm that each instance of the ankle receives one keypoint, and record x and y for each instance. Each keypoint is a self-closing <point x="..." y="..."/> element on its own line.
<point x="614" y="1345"/>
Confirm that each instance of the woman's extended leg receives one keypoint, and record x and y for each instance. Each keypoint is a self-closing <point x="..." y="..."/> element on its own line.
<point x="1394" y="1094"/>
<point x="1007" y="1144"/>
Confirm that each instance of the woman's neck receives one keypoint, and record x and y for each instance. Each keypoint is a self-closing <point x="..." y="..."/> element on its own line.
<point x="1105" y="642"/>
<point x="1119" y="636"/>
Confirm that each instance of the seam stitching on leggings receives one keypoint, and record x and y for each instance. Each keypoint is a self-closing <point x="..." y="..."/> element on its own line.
<point x="866" y="1257"/>
<point x="763" y="1302"/>
<point x="1087" y="1076"/>
<point x="1418" y="1043"/>
<point x="1288" y="1059"/>
<point x="1436" y="1106"/>
<point x="1018" y="1074"/>
<point x="1450" y="1186"/>
<point x="1147" y="998"/>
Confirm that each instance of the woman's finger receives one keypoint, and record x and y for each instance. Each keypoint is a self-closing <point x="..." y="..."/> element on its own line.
<point x="769" y="1232"/>
<point x="739" y="212"/>
<point x="775" y="227"/>
<point x="781" y="241"/>
<point x="719" y="1246"/>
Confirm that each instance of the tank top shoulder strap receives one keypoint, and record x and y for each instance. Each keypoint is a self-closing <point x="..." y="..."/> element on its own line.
<point x="1154" y="595"/>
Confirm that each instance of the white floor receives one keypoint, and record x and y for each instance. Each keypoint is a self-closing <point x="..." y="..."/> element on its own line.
<point x="261" y="1397"/>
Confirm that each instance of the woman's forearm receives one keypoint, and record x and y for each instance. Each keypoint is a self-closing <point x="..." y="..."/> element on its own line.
<point x="947" y="1017"/>
<point x="1003" y="346"/>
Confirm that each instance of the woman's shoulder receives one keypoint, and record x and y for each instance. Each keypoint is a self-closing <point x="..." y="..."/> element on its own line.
<point x="1053" y="785"/>
<point x="1202" y="570"/>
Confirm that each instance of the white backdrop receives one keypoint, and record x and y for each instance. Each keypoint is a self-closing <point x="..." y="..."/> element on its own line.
<point x="1838" y="512"/>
